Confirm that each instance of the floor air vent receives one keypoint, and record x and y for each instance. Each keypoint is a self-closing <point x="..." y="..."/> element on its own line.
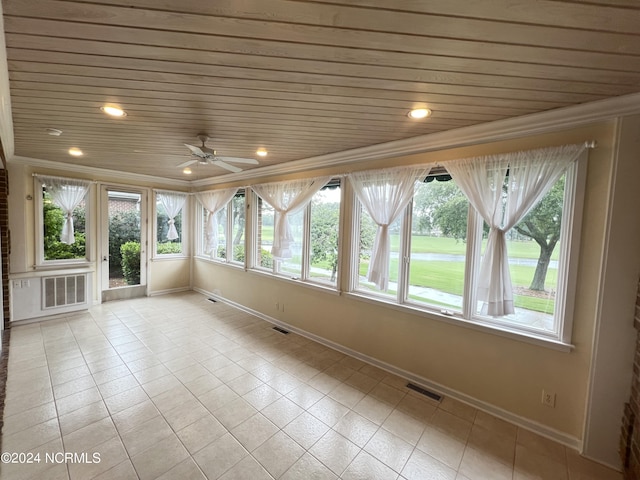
<point x="281" y="330"/>
<point x="212" y="300"/>
<point x="424" y="391"/>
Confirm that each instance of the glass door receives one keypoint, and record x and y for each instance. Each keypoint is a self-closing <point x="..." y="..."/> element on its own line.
<point x="124" y="243"/>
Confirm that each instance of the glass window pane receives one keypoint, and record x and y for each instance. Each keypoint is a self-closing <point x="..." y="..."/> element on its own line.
<point x="533" y="247"/>
<point x="438" y="245"/>
<point x="367" y="236"/>
<point x="265" y="235"/>
<point x="293" y="266"/>
<point x="164" y="246"/>
<point x="325" y="224"/>
<point x="53" y="221"/>
<point x="222" y="234"/>
<point x="238" y="215"/>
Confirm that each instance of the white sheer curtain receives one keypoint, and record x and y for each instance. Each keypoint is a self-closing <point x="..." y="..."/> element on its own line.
<point x="173" y="203"/>
<point x="384" y="194"/>
<point x="503" y="201"/>
<point x="67" y="194"/>
<point x="213" y="201"/>
<point x="287" y="198"/>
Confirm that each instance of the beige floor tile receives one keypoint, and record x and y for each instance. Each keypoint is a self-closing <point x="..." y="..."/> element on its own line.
<point x="29" y="418"/>
<point x="16" y="403"/>
<point x="278" y="454"/>
<point x="159" y="458"/>
<point x="82" y="417"/>
<point x="328" y="411"/>
<point x="134" y="416"/>
<point x="530" y="465"/>
<point x="496" y="446"/>
<point x="442" y="447"/>
<point x="304" y="396"/>
<point x="160" y="385"/>
<point x="306" y="430"/>
<point x="495" y="425"/>
<point x="247" y="468"/>
<point x="85" y="438"/>
<point x="308" y="467"/>
<point x="581" y="468"/>
<point x="218" y="398"/>
<point x="203" y="384"/>
<point x="219" y="456"/>
<point x="173" y="398"/>
<point x="373" y="409"/>
<point x="284" y="383"/>
<point x="421" y="466"/>
<point x="126" y="399"/>
<point x="389" y="449"/>
<point x="455" y="426"/>
<point x="540" y="445"/>
<point x="335" y="451"/>
<point x="111" y="452"/>
<point x="262" y="396"/>
<point x="74" y="386"/>
<point x="185" y="414"/>
<point x="323" y="382"/>
<point x="146" y="435"/>
<point x="346" y="395"/>
<point x="119" y="385"/>
<point x="201" y="433"/>
<point x="188" y="469"/>
<point x="254" y="431"/>
<point x="476" y="466"/>
<point x="78" y="400"/>
<point x="244" y="383"/>
<point x="234" y="413"/>
<point x="356" y="428"/>
<point x="457" y="408"/>
<point x="282" y="411"/>
<point x="417" y="408"/>
<point x="122" y="471"/>
<point x="366" y="467"/>
<point x="404" y="426"/>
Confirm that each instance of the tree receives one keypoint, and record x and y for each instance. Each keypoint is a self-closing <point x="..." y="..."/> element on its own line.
<point x="443" y="206"/>
<point x="53" y="220"/>
<point x="324" y="234"/>
<point x="542" y="224"/>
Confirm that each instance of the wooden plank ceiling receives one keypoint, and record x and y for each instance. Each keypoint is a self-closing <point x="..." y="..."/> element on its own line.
<point x="298" y="78"/>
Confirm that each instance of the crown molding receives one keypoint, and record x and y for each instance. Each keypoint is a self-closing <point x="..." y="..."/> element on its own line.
<point x="526" y="125"/>
<point x="98" y="172"/>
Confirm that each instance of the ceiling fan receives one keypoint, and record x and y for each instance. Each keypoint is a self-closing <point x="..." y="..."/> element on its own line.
<point x="208" y="156"/>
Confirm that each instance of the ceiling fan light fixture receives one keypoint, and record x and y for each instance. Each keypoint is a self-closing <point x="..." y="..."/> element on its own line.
<point x="262" y="152"/>
<point x="75" y="151"/>
<point x="113" y="111"/>
<point x="419" y="113"/>
<point x="187" y="171"/>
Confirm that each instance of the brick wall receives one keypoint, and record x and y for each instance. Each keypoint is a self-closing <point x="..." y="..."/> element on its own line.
<point x="630" y="436"/>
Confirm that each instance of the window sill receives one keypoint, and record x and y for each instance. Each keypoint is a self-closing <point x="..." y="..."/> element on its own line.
<point x="217" y="261"/>
<point x="461" y="322"/>
<point x="66" y="269"/>
<point x="62" y="265"/>
<point x="296" y="281"/>
<point x="163" y="258"/>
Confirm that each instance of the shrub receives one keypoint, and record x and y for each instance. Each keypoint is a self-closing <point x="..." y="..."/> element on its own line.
<point x="123" y="227"/>
<point x="266" y="259"/>
<point x="168" y="247"/>
<point x="130" y="253"/>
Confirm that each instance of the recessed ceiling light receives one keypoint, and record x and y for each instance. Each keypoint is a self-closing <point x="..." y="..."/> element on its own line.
<point x="113" y="111"/>
<point x="76" y="152"/>
<point x="262" y="152"/>
<point x="418" y="113"/>
<point x="187" y="171"/>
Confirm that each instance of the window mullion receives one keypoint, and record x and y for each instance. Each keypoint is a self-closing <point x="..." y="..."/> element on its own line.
<point x="306" y="243"/>
<point x="404" y="255"/>
<point x="229" y="232"/>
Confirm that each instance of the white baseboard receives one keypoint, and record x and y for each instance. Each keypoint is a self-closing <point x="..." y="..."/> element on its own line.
<point x="155" y="293"/>
<point x="536" y="427"/>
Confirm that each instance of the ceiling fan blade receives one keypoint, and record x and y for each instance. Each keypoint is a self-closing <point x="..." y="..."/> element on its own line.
<point x="250" y="161"/>
<point x="185" y="164"/>
<point x="195" y="150"/>
<point x="231" y="168"/>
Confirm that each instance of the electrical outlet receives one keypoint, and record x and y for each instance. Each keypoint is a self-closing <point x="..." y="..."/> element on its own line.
<point x="26" y="284"/>
<point x="277" y="306"/>
<point x="548" y="398"/>
<point x="283" y="307"/>
<point x="17" y="284"/>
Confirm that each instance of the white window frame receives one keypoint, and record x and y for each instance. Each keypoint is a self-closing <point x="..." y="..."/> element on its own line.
<point x="229" y="233"/>
<point x="575" y="182"/>
<point x="306" y="244"/>
<point x="184" y="231"/>
<point x="39" y="233"/>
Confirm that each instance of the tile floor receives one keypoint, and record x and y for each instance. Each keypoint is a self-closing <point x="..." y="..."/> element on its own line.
<point x="177" y="387"/>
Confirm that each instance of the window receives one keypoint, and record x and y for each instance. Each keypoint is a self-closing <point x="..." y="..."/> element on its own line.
<point x="169" y="223"/>
<point x="439" y="244"/>
<point x="230" y="234"/>
<point x="313" y="245"/>
<point x="62" y="211"/>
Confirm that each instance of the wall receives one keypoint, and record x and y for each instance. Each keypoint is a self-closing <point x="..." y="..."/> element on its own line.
<point x="163" y="275"/>
<point x="501" y="373"/>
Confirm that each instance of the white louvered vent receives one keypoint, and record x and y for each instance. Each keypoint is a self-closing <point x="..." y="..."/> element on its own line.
<point x="64" y="291"/>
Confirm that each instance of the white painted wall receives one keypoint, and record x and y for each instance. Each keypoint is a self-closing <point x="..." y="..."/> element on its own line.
<point x="614" y="336"/>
